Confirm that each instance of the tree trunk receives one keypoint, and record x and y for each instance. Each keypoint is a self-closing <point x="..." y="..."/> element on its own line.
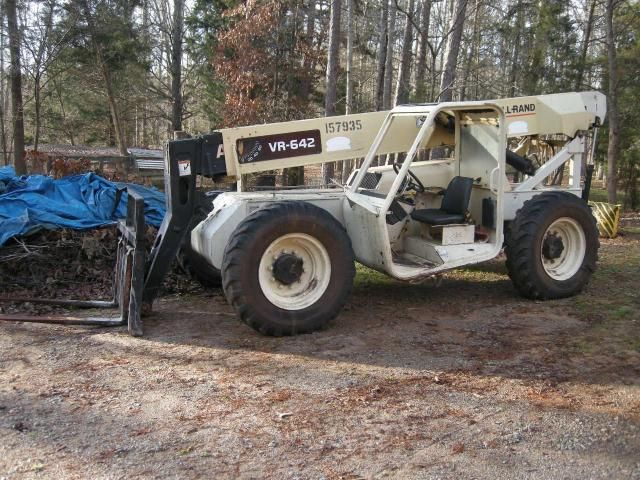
<point x="515" y="60"/>
<point x="145" y="107"/>
<point x="388" y="65"/>
<point x="113" y="105"/>
<point x="106" y="77"/>
<point x="310" y="28"/>
<point x="307" y="62"/>
<point x="613" y="149"/>
<point x="3" y="127"/>
<point x="16" y="89"/>
<point x="346" y="164"/>
<point x="404" y="72"/>
<point x="177" y="34"/>
<point x="538" y="51"/>
<point x="453" y="48"/>
<point x="37" y="104"/>
<point x="434" y="77"/>
<point x="349" y="72"/>
<point x="69" y="131"/>
<point x="423" y="46"/>
<point x="40" y="68"/>
<point x="333" y="59"/>
<point x="332" y="75"/>
<point x="585" y="46"/>
<point x="469" y="64"/>
<point x="383" y="29"/>
<point x="295" y="175"/>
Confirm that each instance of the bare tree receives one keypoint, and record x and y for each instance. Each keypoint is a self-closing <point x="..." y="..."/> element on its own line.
<point x="177" y="36"/>
<point x="44" y="48"/>
<point x="388" y="67"/>
<point x="584" y="48"/>
<point x="349" y="72"/>
<point x="383" y="29"/>
<point x="471" y="57"/>
<point x="404" y="71"/>
<point x="423" y="46"/>
<point x="3" y="99"/>
<point x="145" y="106"/>
<point x="453" y="48"/>
<point x="308" y="62"/>
<point x="346" y="164"/>
<point x="333" y="60"/>
<point x="538" y="50"/>
<point x="38" y="50"/>
<point x="515" y="60"/>
<point x="16" y="89"/>
<point x="105" y="73"/>
<point x="613" y="149"/>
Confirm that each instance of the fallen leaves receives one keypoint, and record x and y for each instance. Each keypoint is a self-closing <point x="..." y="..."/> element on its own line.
<point x="186" y="451"/>
<point x="20" y="426"/>
<point x="457" y="448"/>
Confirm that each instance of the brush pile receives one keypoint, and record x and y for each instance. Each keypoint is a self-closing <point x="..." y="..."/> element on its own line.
<point x="68" y="264"/>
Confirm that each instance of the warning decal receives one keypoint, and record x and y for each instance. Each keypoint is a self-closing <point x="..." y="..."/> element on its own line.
<point x="184" y="167"/>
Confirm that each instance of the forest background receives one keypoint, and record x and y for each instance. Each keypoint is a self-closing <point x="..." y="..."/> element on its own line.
<point x="129" y="73"/>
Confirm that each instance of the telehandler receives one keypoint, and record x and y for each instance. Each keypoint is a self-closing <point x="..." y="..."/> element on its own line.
<point x="437" y="187"/>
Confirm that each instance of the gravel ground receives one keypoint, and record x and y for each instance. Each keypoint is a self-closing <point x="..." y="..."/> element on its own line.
<point x="465" y="380"/>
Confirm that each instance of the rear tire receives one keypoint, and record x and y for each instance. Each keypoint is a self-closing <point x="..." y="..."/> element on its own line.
<point x="195" y="264"/>
<point x="288" y="268"/>
<point x="199" y="268"/>
<point x="552" y="246"/>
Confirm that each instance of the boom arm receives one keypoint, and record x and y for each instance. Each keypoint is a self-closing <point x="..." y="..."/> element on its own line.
<point x="278" y="145"/>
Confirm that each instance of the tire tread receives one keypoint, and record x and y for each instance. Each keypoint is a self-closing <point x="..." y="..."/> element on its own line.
<point x="233" y="259"/>
<point x="521" y="236"/>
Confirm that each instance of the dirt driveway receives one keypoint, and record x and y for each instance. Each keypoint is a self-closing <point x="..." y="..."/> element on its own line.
<point x="465" y="380"/>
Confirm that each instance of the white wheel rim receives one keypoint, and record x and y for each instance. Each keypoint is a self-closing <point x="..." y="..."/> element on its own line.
<point x="312" y="282"/>
<point x="564" y="264"/>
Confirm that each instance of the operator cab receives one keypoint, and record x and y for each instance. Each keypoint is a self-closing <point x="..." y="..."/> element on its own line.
<point x="435" y="205"/>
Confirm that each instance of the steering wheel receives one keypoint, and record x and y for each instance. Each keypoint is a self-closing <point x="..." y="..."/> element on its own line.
<point x="414" y="182"/>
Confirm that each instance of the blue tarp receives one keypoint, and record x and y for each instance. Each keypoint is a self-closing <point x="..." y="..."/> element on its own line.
<point x="30" y="203"/>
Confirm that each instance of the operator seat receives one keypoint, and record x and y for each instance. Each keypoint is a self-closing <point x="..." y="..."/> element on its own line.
<point x="454" y="204"/>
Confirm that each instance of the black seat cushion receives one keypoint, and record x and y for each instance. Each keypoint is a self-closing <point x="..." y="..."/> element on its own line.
<point x="457" y="195"/>
<point x="435" y="216"/>
<point x="454" y="204"/>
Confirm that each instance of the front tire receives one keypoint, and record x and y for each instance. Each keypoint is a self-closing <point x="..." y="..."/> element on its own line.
<point x="552" y="246"/>
<point x="288" y="268"/>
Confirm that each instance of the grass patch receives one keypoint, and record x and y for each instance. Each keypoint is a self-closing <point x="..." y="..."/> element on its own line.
<point x="611" y="304"/>
<point x="452" y="290"/>
<point x="366" y="276"/>
<point x="600" y="195"/>
<point x="381" y="287"/>
<point x="185" y="451"/>
<point x="484" y="272"/>
<point x="622" y="313"/>
<point x="613" y="334"/>
<point x="36" y="467"/>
